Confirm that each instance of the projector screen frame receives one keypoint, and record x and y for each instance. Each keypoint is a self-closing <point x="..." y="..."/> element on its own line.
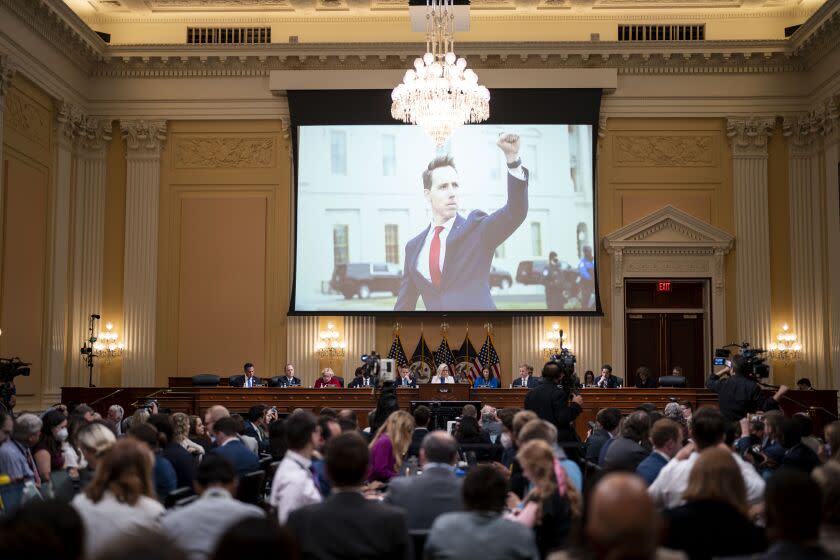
<point x="515" y="106"/>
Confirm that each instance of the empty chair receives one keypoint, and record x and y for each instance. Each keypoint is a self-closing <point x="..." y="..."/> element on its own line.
<point x="252" y="488"/>
<point x="173" y="498"/>
<point x="205" y="380"/>
<point x="673" y="381"/>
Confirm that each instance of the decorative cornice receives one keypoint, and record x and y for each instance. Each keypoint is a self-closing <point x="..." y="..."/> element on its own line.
<point x="143" y="137"/>
<point x="749" y="135"/>
<point x="805" y="130"/>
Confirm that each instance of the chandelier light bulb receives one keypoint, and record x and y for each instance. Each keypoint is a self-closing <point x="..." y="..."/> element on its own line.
<point x="450" y="57"/>
<point x="428" y="58"/>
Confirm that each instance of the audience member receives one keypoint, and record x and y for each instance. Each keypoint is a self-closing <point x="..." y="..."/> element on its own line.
<point x="797" y="454"/>
<point x="793" y="505"/>
<point x="15" y="453"/>
<point x="94" y="440"/>
<point x="47" y="452"/>
<point x="626" y="452"/>
<point x="180" y="434"/>
<point x="708" y="427"/>
<point x="506" y="418"/>
<point x="255" y="425"/>
<point x="277" y="439"/>
<point x="389" y="446"/>
<point x="347" y="525"/>
<point x="249" y="442"/>
<point x="213" y="512"/>
<point x="674" y="411"/>
<point x="143" y="545"/>
<point x="806" y="427"/>
<point x="328" y="427"/>
<point x="163" y="472"/>
<point x="715" y="494"/>
<point x="228" y="445"/>
<point x="140" y="416"/>
<point x="115" y="417"/>
<point x="422" y="415"/>
<point x="828" y="477"/>
<point x="254" y="538"/>
<point x="43" y="529"/>
<point x="481" y="531"/>
<point x="831" y="447"/>
<point x="553" y="403"/>
<point x="437" y="490"/>
<point x="469" y="432"/>
<point x="490" y="423"/>
<point x="182" y="461"/>
<point x="552" y="504"/>
<point x="119" y="502"/>
<point x="518" y="482"/>
<point x="469" y="411"/>
<point x="295" y="483"/>
<point x="608" y="422"/>
<point x="198" y="433"/>
<point x="546" y="432"/>
<point x="348" y="421"/>
<point x="211" y="416"/>
<point x="666" y="436"/>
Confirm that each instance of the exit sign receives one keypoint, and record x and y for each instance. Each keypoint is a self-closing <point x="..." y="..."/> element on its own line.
<point x="663" y="286"/>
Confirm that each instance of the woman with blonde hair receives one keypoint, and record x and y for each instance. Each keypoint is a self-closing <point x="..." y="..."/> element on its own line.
<point x="120" y="501"/>
<point x="180" y="434"/>
<point x="389" y="446"/>
<point x="93" y="440"/>
<point x="715" y="490"/>
<point x="442" y="375"/>
<point x="553" y="503"/>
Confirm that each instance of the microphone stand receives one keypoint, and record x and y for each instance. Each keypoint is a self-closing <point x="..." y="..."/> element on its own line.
<point x="87" y="351"/>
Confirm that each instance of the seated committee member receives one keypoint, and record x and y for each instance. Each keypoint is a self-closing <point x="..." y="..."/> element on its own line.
<point x="327" y="379"/>
<point x="607" y="379"/>
<point x="289" y="380"/>
<point x="360" y="380"/>
<point x="406" y="379"/>
<point x="250" y="380"/>
<point x="442" y="375"/>
<point x="467" y="244"/>
<point x="486" y="380"/>
<point x="526" y="378"/>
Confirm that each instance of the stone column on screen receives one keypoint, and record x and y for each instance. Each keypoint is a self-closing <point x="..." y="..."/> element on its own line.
<point x="144" y="141"/>
<point x="748" y="139"/>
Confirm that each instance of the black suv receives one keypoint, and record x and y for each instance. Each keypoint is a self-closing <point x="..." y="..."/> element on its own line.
<point x="362" y="279"/>
<point x="536" y="272"/>
<point x="500" y="278"/>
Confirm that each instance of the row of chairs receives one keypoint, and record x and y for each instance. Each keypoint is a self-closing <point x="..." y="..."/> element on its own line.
<point x="213" y="380"/>
<point x="252" y="489"/>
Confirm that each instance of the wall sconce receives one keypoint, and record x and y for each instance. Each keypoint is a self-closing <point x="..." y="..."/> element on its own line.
<point x="107" y="345"/>
<point x="786" y="349"/>
<point x="329" y="346"/>
<point x="555" y="340"/>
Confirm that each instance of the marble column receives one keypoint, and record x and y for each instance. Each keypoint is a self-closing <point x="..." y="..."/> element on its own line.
<point x="7" y="72"/>
<point x="68" y="118"/>
<point x="806" y="227"/>
<point x="527" y="335"/>
<point x="88" y="239"/>
<point x="359" y="338"/>
<point x="585" y="340"/>
<point x="748" y="137"/>
<point x="301" y="339"/>
<point x="144" y="141"/>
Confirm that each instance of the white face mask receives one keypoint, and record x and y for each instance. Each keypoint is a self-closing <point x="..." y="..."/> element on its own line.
<point x="507" y="441"/>
<point x="61" y="435"/>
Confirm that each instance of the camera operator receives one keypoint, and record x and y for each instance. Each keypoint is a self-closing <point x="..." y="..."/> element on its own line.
<point x="550" y="401"/>
<point x="740" y="394"/>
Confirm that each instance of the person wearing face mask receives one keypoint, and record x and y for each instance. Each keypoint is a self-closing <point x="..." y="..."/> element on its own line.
<point x="47" y="452"/>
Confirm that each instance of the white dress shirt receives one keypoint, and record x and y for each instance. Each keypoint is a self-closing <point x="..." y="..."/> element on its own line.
<point x="293" y="486"/>
<point x="667" y="490"/>
<point x="447" y="379"/>
<point x="108" y="519"/>
<point x="423" y="258"/>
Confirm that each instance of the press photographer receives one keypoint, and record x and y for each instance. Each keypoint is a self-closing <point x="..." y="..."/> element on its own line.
<point x="555" y="400"/>
<point x="9" y="369"/>
<point x="740" y="394"/>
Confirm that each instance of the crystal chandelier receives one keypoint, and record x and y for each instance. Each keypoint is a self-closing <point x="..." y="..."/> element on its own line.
<point x="554" y="342"/>
<point x="440" y="94"/>
<point x="329" y="346"/>
<point x="108" y="346"/>
<point x="786" y="349"/>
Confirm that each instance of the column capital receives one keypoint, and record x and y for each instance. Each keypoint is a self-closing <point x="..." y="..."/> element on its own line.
<point x="7" y="72"/>
<point x="144" y="138"/>
<point x="69" y="123"/>
<point x="801" y="133"/>
<point x="94" y="135"/>
<point x="748" y="135"/>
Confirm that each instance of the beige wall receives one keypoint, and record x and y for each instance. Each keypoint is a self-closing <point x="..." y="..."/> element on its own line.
<point x="27" y="165"/>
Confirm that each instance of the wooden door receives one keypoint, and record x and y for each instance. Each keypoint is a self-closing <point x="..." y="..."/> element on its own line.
<point x="661" y="341"/>
<point x="644" y="345"/>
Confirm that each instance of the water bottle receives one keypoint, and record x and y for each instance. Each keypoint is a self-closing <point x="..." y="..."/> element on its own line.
<point x="30" y="492"/>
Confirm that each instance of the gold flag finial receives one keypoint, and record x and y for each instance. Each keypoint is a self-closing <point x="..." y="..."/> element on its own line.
<point x="396" y="328"/>
<point x="488" y="327"/>
<point x="443" y="328"/>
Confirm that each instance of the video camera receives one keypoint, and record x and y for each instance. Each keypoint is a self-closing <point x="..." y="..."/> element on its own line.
<point x="752" y="363"/>
<point x="11" y="368"/>
<point x="565" y="360"/>
<point x="370" y="363"/>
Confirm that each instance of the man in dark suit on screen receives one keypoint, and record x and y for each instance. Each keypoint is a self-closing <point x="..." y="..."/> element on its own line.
<point x="448" y="263"/>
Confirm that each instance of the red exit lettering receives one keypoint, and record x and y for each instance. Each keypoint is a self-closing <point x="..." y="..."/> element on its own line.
<point x="663" y="286"/>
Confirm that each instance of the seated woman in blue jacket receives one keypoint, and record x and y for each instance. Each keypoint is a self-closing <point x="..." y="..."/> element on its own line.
<point x="486" y="380"/>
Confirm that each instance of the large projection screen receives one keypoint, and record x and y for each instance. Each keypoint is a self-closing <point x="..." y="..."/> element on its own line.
<point x="499" y="219"/>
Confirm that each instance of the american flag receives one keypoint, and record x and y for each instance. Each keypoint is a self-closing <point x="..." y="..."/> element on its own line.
<point x="489" y="358"/>
<point x="444" y="355"/>
<point x="397" y="353"/>
<point x="422" y="355"/>
<point x="467" y="358"/>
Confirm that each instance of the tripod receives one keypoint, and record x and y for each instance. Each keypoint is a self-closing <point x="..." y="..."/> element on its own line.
<point x="87" y="349"/>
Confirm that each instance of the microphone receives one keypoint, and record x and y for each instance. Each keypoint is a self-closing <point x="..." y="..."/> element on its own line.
<point x="95" y="316"/>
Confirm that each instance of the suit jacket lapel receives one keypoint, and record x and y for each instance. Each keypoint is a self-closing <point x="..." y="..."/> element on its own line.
<point x="452" y="240"/>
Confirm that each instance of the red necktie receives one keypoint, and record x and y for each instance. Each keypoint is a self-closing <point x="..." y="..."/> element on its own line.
<point x="434" y="257"/>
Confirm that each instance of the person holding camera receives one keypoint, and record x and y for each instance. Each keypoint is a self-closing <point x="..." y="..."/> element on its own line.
<point x="551" y="400"/>
<point x="740" y="394"/>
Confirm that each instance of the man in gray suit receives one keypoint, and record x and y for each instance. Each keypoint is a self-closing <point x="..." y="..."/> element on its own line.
<point x="434" y="492"/>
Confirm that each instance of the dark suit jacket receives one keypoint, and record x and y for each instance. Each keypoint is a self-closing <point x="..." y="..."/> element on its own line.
<point x="532" y="382"/>
<point x="465" y="279"/>
<point x="358" y="382"/>
<point x="426" y="496"/>
<point x="182" y="461"/>
<point x="594" y="444"/>
<point x="284" y="382"/>
<point x="416" y="441"/>
<point x="624" y="455"/>
<point x="241" y="457"/>
<point x="348" y="526"/>
<point x="239" y="381"/>
<point x="733" y="535"/>
<point x="649" y="468"/>
<point x="549" y="403"/>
